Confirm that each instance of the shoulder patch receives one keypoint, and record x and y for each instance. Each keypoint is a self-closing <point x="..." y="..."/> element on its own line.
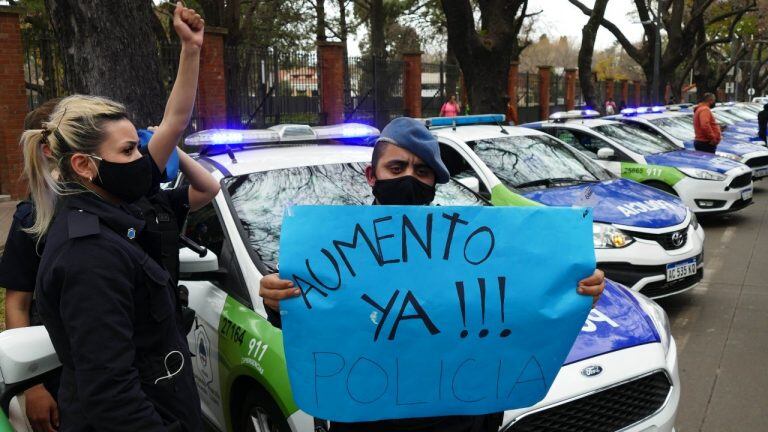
<point x="82" y="224"/>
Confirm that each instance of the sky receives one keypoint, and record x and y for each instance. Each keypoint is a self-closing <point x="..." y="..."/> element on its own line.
<point x="561" y="18"/>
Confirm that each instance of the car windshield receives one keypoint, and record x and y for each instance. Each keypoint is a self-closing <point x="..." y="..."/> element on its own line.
<point x="260" y="198"/>
<point x="635" y="140"/>
<point x="536" y="161"/>
<point x="726" y="117"/>
<point x="677" y="127"/>
<point x="740" y="113"/>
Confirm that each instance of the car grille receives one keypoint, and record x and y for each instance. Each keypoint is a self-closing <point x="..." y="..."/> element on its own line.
<point x="608" y="410"/>
<point x="757" y="162"/>
<point x="664" y="288"/>
<point x="741" y="181"/>
<point x="665" y="240"/>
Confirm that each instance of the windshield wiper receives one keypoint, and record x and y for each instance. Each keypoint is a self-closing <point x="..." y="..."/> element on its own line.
<point x="549" y="182"/>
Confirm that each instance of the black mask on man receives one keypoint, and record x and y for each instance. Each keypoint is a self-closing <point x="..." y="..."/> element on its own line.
<point x="127" y="181"/>
<point x="405" y="190"/>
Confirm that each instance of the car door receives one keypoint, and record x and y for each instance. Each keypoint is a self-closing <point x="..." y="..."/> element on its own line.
<point x="209" y="291"/>
<point x="591" y="144"/>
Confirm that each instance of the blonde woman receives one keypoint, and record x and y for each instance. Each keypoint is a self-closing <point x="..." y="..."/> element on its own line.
<point x="109" y="306"/>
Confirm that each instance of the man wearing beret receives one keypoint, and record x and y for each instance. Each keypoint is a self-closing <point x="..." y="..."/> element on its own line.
<point x="405" y="167"/>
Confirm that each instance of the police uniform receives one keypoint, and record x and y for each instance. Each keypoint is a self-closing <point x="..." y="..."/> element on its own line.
<point x="18" y="268"/>
<point x="113" y="316"/>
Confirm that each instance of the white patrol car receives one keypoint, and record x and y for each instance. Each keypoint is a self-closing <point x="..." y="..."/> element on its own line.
<point x="644" y="238"/>
<point x="706" y="183"/>
<point x="678" y="129"/>
<point x="622" y="373"/>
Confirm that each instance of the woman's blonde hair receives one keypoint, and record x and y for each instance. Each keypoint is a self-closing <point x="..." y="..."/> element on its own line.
<point x="75" y="126"/>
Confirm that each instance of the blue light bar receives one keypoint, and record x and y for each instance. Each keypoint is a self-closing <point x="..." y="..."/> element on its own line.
<point x="346" y="130"/>
<point x="465" y="120"/>
<point x="231" y="136"/>
<point x="574" y="114"/>
<point x="629" y="112"/>
<point x="658" y="109"/>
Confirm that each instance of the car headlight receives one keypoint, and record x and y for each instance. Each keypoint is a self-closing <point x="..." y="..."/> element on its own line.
<point x="730" y="156"/>
<point x="694" y="220"/>
<point x="702" y="174"/>
<point x="607" y="236"/>
<point x="659" y="318"/>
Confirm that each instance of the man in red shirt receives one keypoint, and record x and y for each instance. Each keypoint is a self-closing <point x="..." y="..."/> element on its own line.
<point x="704" y="124"/>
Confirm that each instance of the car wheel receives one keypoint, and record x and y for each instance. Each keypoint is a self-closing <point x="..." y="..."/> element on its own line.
<point x="259" y="413"/>
<point x="662" y="186"/>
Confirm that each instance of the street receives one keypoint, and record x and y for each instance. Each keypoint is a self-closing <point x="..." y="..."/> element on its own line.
<point x="720" y="326"/>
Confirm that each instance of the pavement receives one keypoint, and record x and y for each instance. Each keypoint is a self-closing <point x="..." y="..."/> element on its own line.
<point x="721" y="326"/>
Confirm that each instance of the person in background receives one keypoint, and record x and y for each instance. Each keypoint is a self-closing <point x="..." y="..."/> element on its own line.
<point x="610" y="106"/>
<point x="18" y="268"/>
<point x="706" y="129"/>
<point x="450" y="108"/>
<point x="762" y="124"/>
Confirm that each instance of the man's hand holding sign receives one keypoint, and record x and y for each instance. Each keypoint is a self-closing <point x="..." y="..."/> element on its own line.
<point x="393" y="312"/>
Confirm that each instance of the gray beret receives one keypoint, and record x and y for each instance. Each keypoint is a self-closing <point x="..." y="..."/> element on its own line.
<point x="414" y="136"/>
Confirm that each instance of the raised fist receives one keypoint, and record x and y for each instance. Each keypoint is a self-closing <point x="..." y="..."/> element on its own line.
<point x="189" y="25"/>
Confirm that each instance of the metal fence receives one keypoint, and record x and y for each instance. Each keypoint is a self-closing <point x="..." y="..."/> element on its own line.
<point x="438" y="82"/>
<point x="267" y="87"/>
<point x="527" y="97"/>
<point x="43" y="69"/>
<point x="375" y="93"/>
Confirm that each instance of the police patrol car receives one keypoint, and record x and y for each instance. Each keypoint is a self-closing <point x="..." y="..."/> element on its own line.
<point x="644" y="238"/>
<point x="677" y="128"/>
<point x="624" y="361"/>
<point x="705" y="183"/>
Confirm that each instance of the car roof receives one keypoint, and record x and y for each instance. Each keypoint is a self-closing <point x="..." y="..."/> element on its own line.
<point x="654" y="116"/>
<point x="589" y="123"/>
<point x="281" y="156"/>
<point x="476" y="132"/>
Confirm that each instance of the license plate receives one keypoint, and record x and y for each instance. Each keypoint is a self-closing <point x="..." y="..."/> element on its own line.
<point x="762" y="172"/>
<point x="682" y="269"/>
<point x="747" y="194"/>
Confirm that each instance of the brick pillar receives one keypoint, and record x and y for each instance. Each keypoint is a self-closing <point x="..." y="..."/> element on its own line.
<point x="212" y="83"/>
<point x="638" y="93"/>
<point x="13" y="103"/>
<point x="331" y="62"/>
<point x="667" y="94"/>
<point x="609" y="87"/>
<point x="512" y="116"/>
<point x="570" y="89"/>
<point x="625" y="91"/>
<point x="545" y="73"/>
<point x="464" y="95"/>
<point x="412" y="84"/>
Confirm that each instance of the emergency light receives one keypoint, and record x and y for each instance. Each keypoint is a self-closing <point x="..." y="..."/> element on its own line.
<point x="574" y="114"/>
<point x="465" y="120"/>
<point x="628" y="112"/>
<point x="286" y="133"/>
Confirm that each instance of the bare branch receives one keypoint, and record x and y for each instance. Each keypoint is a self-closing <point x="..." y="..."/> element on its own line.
<point x="628" y="46"/>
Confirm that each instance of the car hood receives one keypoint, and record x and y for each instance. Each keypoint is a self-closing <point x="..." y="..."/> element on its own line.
<point x="616" y="322"/>
<point x="620" y="201"/>
<point x="733" y="146"/>
<point x="693" y="159"/>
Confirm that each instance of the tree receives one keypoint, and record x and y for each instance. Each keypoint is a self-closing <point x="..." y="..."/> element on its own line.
<point x="588" y="35"/>
<point x="111" y="53"/>
<point x="682" y="20"/>
<point x="485" y="54"/>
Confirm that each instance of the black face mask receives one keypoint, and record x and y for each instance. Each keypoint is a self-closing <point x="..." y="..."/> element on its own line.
<point x="127" y="181"/>
<point x="406" y="190"/>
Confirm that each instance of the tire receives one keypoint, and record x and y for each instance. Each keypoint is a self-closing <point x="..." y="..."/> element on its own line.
<point x="259" y="413"/>
<point x="662" y="187"/>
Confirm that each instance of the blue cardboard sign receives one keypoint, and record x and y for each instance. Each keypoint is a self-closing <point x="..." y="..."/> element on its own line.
<point x="422" y="311"/>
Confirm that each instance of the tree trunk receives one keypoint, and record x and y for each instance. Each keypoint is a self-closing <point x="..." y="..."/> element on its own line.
<point x="111" y="54"/>
<point x="588" y="35"/>
<point x="320" y="22"/>
<point x="484" y="56"/>
<point x="379" y="63"/>
<point x="344" y="36"/>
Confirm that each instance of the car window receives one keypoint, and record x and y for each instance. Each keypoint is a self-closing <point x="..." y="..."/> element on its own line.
<point x="260" y="199"/>
<point x="677" y="127"/>
<point x="536" y="161"/>
<point x="725" y="118"/>
<point x="636" y="140"/>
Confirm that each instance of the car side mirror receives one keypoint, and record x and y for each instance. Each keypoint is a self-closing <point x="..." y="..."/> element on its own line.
<point x="472" y="183"/>
<point x="26" y="355"/>
<point x="606" y="153"/>
<point x="192" y="262"/>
